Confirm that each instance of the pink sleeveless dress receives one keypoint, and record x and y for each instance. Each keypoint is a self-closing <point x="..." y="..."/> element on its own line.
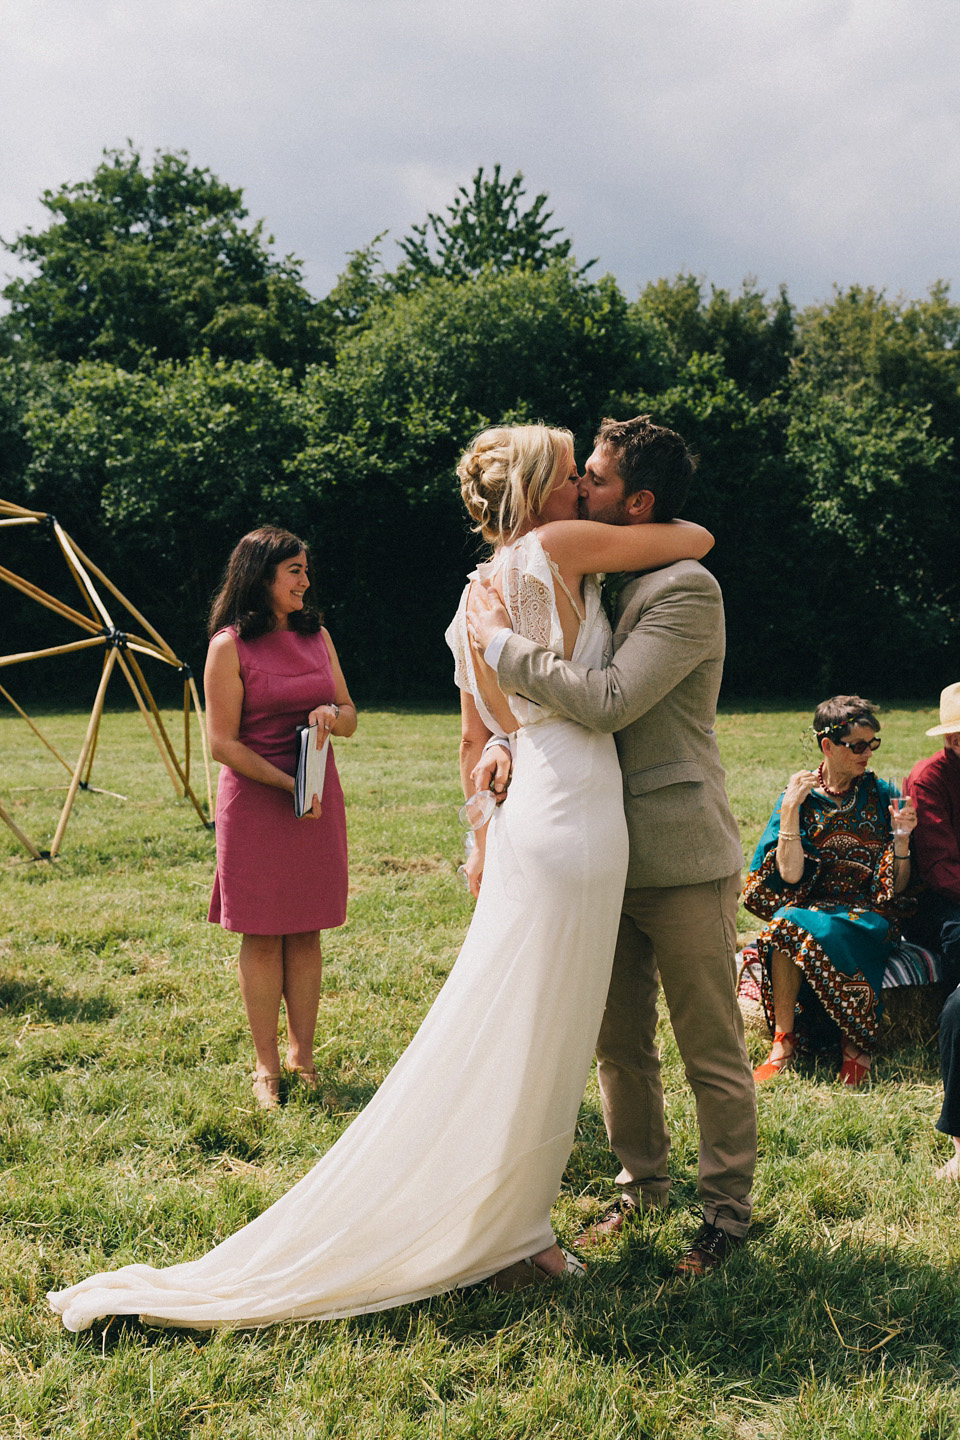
<point x="277" y="875"/>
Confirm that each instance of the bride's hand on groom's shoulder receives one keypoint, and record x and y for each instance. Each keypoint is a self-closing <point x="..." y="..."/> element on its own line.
<point x="485" y="614"/>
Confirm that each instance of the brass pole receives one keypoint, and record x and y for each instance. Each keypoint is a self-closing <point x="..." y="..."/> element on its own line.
<point x="82" y="578"/>
<point x="186" y="731"/>
<point x="188" y="792"/>
<point x="43" y="740"/>
<point x="59" y="607"/>
<point x="149" y="722"/>
<point x="7" y="507"/>
<point x="203" y="741"/>
<point x="54" y="650"/>
<point x="27" y="844"/>
<point x="124" y="601"/>
<point x="109" y="660"/>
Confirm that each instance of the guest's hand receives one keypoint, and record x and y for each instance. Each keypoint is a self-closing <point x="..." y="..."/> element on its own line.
<point x="492" y="772"/>
<point x="798" y="788"/>
<point x="904" y="820"/>
<point x="314" y="812"/>
<point x="485" y="614"/>
<point x="324" y="717"/>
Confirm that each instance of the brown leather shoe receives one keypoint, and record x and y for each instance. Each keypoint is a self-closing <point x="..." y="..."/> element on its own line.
<point x="709" y="1248"/>
<point x="622" y="1212"/>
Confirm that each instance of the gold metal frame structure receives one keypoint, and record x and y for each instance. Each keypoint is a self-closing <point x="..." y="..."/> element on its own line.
<point x="120" y="649"/>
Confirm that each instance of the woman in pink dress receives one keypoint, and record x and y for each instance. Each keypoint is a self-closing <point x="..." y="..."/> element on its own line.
<point x="271" y="666"/>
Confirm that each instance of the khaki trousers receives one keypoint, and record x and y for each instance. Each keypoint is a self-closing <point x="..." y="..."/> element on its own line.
<point x="687" y="935"/>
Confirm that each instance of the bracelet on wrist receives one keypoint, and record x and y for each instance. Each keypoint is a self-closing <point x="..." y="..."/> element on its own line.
<point x="789" y="835"/>
<point x="901" y="857"/>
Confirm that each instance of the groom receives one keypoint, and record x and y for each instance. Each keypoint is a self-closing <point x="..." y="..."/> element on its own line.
<point x="659" y="696"/>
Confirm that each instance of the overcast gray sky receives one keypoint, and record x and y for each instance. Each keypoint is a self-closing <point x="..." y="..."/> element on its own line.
<point x="814" y="142"/>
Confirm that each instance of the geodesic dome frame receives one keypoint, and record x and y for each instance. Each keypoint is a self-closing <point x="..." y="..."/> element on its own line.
<point x="121" y="649"/>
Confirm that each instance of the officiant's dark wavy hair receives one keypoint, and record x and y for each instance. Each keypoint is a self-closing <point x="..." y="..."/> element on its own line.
<point x="243" y="599"/>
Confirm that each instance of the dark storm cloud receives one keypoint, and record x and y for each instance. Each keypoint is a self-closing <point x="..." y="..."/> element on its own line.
<point x="796" y="140"/>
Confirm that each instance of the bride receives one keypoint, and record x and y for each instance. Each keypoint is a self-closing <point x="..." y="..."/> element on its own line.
<point x="447" y="1177"/>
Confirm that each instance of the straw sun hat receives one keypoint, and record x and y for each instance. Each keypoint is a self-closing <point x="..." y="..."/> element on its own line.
<point x="949" y="711"/>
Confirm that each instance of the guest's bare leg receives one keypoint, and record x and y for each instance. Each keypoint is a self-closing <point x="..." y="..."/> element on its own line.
<point x="787" y="979"/>
<point x="260" y="969"/>
<point x="302" y="974"/>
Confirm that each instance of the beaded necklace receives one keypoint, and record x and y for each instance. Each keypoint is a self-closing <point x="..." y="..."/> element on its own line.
<point x="834" y="794"/>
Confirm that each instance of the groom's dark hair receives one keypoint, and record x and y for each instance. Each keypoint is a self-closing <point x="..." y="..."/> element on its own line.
<point x="650" y="457"/>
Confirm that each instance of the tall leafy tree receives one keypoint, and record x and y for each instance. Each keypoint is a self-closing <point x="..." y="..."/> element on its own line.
<point x="158" y="262"/>
<point x="484" y="226"/>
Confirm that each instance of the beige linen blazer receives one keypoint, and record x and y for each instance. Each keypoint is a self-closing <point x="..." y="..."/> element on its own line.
<point x="659" y="696"/>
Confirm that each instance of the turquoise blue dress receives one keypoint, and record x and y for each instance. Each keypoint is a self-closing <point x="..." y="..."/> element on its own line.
<point x="840" y="920"/>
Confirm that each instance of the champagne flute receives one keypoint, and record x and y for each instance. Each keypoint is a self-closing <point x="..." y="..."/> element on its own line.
<point x="477" y="809"/>
<point x="898" y="799"/>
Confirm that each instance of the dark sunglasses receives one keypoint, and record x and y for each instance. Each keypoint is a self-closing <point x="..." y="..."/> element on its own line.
<point x="860" y="747"/>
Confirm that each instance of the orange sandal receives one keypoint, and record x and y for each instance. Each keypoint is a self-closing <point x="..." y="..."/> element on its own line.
<point x="772" y="1067"/>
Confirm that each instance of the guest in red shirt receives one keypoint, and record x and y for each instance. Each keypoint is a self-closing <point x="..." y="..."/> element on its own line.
<point x="934" y="785"/>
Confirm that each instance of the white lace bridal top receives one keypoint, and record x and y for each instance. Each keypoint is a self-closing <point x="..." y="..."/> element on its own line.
<point x="528" y="578"/>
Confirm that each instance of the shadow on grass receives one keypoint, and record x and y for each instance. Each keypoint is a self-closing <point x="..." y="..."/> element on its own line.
<point x="777" y="1312"/>
<point x="22" y="997"/>
<point x="774" y="1314"/>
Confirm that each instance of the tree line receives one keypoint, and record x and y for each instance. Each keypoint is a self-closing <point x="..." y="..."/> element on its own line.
<point x="167" y="383"/>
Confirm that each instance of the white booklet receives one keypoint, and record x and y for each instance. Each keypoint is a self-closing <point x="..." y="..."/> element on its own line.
<point x="311" y="768"/>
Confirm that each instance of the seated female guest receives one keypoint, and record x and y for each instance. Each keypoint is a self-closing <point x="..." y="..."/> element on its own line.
<point x="271" y="666"/>
<point x="826" y="874"/>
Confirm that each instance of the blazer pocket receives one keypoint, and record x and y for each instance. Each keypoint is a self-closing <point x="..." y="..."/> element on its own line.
<point x="671" y="772"/>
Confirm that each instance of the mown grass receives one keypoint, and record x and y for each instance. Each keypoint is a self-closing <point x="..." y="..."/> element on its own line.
<point x="127" y="1132"/>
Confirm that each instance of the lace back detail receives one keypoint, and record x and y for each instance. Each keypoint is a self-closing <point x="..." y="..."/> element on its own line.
<point x="527" y="579"/>
<point x="531" y="606"/>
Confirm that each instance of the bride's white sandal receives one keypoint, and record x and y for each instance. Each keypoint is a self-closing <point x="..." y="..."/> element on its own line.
<point x="524" y="1273"/>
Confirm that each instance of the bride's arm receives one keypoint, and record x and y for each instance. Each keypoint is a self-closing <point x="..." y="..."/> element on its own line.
<point x="588" y="547"/>
<point x="473" y="736"/>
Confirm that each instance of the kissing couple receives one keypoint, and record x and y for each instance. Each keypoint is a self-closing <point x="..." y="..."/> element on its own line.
<point x="611" y="863"/>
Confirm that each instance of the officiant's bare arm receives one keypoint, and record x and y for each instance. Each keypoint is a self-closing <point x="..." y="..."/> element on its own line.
<point x="223" y="692"/>
<point x="325" y="716"/>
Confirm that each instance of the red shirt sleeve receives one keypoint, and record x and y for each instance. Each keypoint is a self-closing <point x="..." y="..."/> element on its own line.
<point x="937" y="836"/>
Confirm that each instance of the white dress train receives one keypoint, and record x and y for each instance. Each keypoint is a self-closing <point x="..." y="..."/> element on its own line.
<point x="450" y="1171"/>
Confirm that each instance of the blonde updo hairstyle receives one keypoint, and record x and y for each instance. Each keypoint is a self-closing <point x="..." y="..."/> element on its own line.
<point x="507" y="474"/>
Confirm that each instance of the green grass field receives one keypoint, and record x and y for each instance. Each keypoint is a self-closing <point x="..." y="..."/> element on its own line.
<point x="128" y="1133"/>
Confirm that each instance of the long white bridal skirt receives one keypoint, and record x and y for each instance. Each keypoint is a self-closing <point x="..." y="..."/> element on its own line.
<point x="450" y="1172"/>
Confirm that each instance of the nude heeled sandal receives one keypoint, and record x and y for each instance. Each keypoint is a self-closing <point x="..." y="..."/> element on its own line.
<point x="266" y="1090"/>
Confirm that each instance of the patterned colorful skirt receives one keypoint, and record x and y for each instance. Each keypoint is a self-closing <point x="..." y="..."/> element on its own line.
<point x="841" y="953"/>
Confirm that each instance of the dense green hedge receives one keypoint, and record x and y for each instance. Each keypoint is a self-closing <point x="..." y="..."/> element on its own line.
<point x="829" y="470"/>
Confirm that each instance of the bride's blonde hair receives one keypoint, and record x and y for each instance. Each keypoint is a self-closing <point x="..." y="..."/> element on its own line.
<point x="507" y="474"/>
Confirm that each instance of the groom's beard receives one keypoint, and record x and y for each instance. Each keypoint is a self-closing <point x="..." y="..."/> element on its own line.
<point x="613" y="514"/>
